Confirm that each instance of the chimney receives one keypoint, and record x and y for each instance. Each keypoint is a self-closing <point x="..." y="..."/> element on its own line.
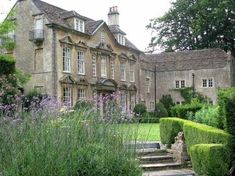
<point x="113" y="16"/>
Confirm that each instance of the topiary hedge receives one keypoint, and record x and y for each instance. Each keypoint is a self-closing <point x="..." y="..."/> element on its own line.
<point x="7" y="65"/>
<point x="169" y="128"/>
<point x="210" y="159"/>
<point x="196" y="133"/>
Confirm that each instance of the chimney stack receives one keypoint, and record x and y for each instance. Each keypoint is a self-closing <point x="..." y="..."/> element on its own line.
<point x="113" y="16"/>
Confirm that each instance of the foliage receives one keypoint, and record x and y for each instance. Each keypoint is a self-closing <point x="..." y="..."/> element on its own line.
<point x="194" y="134"/>
<point x="182" y="111"/>
<point x="83" y="105"/>
<point x="169" y="128"/>
<point x="210" y="159"/>
<point x="208" y="115"/>
<point x="77" y="143"/>
<point x="188" y="94"/>
<point x="32" y="100"/>
<point x="160" y="110"/>
<point x="149" y="117"/>
<point x="7" y="65"/>
<point x="167" y="101"/>
<point x="191" y="25"/>
<point x="226" y="101"/>
<point x="140" y="109"/>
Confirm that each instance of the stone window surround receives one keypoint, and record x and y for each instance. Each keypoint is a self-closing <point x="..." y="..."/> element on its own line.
<point x="208" y="82"/>
<point x="94" y="65"/>
<point x="67" y="54"/>
<point x="81" y="62"/>
<point x="79" y="25"/>
<point x="180" y="83"/>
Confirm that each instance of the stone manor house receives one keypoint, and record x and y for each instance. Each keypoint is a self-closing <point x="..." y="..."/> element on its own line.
<point x="73" y="57"/>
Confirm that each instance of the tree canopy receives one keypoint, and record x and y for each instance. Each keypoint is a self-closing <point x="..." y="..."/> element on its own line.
<point x="195" y="24"/>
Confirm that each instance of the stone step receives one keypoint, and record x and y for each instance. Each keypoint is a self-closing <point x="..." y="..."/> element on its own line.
<point x="143" y="145"/>
<point x="151" y="152"/>
<point x="156" y="159"/>
<point x="160" y="166"/>
<point x="178" y="172"/>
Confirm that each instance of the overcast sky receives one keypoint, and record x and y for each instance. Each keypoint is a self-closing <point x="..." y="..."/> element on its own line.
<point x="134" y="14"/>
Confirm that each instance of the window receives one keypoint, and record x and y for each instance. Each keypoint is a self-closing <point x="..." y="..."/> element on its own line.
<point x="103" y="66"/>
<point x="132" y="72"/>
<point x="123" y="71"/>
<point x="79" y="25"/>
<point x="38" y="27"/>
<point x="180" y="84"/>
<point x="66" y="59"/>
<point x="204" y="83"/>
<point x="67" y="96"/>
<point x="38" y="60"/>
<point x="177" y="84"/>
<point x="121" y="39"/>
<point x="94" y="65"/>
<point x="152" y="106"/>
<point x="81" y="94"/>
<point x="207" y="82"/>
<point x="81" y="62"/>
<point x="210" y="82"/>
<point x="148" y="84"/>
<point x="112" y="69"/>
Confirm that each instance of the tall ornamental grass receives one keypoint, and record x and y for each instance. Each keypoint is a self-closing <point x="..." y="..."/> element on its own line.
<point x="76" y="143"/>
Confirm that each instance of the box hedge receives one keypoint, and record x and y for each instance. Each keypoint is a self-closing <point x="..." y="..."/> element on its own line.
<point x="212" y="143"/>
<point x="169" y="128"/>
<point x="210" y="159"/>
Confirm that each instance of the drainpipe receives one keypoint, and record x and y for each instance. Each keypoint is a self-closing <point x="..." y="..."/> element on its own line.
<point x="155" y="86"/>
<point x="54" y="63"/>
<point x="193" y="76"/>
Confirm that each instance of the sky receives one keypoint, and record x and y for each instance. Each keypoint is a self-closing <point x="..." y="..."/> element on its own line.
<point x="134" y="14"/>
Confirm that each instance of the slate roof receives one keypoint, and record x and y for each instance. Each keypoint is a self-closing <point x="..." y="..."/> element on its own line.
<point x="188" y="60"/>
<point x="58" y="16"/>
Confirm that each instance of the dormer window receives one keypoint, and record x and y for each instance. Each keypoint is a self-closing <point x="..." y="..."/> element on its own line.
<point x="121" y="39"/>
<point x="79" y="25"/>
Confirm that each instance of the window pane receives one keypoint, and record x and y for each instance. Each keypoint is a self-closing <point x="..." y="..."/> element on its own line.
<point x="93" y="65"/>
<point x="182" y="83"/>
<point x="177" y="84"/>
<point x="204" y="83"/>
<point x="67" y="96"/>
<point x="81" y="62"/>
<point x="103" y="67"/>
<point x="66" y="59"/>
<point x="123" y="71"/>
<point x="210" y="82"/>
<point x="112" y="69"/>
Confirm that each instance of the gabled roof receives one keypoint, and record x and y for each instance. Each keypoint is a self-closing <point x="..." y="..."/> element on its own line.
<point x="188" y="60"/>
<point x="58" y="16"/>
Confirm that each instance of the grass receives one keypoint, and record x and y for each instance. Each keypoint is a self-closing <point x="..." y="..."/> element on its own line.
<point x="142" y="131"/>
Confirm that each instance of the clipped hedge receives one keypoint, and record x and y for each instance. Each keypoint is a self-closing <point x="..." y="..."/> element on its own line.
<point x="210" y="159"/>
<point x="169" y="128"/>
<point x="211" y="144"/>
<point x="196" y="133"/>
<point x="7" y="65"/>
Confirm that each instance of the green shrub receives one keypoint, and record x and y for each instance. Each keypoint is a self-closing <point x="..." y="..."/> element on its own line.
<point x="169" y="128"/>
<point x="208" y="115"/>
<point x="210" y="159"/>
<point x="7" y="65"/>
<point x="140" y="109"/>
<point x="160" y="110"/>
<point x="149" y="117"/>
<point x="196" y="133"/>
<point x="182" y="111"/>
<point x="83" y="105"/>
<point x="167" y="101"/>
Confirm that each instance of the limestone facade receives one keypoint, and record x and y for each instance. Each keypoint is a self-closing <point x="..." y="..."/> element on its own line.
<point x="73" y="57"/>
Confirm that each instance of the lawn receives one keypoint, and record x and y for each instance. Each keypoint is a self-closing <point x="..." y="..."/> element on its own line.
<point x="141" y="131"/>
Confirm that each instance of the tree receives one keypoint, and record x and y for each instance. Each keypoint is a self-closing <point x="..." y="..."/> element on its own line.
<point x="195" y="24"/>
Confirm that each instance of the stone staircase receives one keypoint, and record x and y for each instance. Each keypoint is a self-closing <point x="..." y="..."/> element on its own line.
<point x="159" y="162"/>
